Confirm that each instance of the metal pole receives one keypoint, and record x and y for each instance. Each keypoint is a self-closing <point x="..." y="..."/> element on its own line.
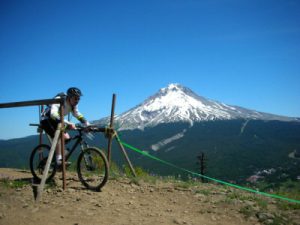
<point x="111" y="126"/>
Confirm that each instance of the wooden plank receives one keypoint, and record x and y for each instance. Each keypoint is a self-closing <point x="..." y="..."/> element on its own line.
<point x="32" y="103"/>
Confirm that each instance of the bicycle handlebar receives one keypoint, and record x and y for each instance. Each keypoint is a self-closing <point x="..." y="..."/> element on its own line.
<point x="90" y="128"/>
<point x="79" y="127"/>
<point x="35" y="124"/>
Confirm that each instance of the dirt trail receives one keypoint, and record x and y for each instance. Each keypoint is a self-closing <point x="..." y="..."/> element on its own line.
<point x="123" y="202"/>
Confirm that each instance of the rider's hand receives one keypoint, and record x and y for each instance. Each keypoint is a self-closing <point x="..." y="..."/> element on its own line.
<point x="86" y="123"/>
<point x="71" y="126"/>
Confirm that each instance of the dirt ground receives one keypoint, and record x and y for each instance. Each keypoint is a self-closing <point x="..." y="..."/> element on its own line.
<point x="124" y="201"/>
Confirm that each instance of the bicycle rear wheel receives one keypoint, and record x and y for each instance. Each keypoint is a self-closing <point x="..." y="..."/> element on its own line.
<point x="92" y="168"/>
<point x="38" y="160"/>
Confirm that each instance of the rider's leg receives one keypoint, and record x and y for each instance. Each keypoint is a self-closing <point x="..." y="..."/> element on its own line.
<point x="50" y="126"/>
<point x="58" y="149"/>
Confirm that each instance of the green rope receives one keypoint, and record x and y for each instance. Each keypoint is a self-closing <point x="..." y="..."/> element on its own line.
<point x="208" y="178"/>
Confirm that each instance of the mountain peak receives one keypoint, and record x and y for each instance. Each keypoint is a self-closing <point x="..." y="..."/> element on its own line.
<point x="172" y="87"/>
<point x="176" y="103"/>
<point x="175" y="87"/>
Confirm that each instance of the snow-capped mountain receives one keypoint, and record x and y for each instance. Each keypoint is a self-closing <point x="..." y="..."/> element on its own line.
<point x="176" y="103"/>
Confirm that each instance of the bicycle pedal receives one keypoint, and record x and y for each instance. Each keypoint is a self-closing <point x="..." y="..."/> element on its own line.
<point x="67" y="163"/>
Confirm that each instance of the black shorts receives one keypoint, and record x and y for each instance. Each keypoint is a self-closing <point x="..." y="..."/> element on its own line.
<point x="49" y="126"/>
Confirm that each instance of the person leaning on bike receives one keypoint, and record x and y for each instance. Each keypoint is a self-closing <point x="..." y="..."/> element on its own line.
<point x="51" y="117"/>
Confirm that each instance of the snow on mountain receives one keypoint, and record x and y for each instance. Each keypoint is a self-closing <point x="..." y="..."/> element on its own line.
<point x="166" y="141"/>
<point x="176" y="103"/>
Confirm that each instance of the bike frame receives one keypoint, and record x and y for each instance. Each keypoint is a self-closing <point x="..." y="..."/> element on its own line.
<point x="79" y="140"/>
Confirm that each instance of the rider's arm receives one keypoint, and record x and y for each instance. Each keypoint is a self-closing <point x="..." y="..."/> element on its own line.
<point x="79" y="116"/>
<point x="55" y="114"/>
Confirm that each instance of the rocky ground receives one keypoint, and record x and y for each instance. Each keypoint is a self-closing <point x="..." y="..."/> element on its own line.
<point x="126" y="201"/>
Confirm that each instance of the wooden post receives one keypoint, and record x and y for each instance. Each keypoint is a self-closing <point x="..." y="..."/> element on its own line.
<point x="126" y="156"/>
<point x="62" y="143"/>
<point x="111" y="125"/>
<point x="49" y="160"/>
<point x="41" y="109"/>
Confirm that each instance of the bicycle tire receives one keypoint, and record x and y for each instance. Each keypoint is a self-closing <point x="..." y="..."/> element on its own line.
<point x="38" y="162"/>
<point x="92" y="168"/>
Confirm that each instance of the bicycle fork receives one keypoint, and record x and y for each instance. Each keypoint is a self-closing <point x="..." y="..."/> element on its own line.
<point x="87" y="156"/>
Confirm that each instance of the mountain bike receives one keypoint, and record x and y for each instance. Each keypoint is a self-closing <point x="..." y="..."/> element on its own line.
<point x="92" y="164"/>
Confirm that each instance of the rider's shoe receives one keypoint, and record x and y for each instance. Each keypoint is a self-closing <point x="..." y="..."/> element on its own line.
<point x="59" y="165"/>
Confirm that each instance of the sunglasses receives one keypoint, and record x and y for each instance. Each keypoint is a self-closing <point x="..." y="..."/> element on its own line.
<point x="76" y="98"/>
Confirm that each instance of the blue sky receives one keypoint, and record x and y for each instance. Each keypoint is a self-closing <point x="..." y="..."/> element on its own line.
<point x="243" y="53"/>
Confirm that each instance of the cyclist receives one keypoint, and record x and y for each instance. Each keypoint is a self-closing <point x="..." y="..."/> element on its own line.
<point x="51" y="117"/>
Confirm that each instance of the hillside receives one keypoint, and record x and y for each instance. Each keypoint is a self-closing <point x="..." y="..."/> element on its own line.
<point x="128" y="201"/>
<point x="234" y="149"/>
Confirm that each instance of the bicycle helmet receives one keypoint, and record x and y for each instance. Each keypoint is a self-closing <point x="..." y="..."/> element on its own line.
<point x="73" y="91"/>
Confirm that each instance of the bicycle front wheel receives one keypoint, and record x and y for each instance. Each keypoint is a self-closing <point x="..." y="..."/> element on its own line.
<point x="38" y="160"/>
<point x="92" y="168"/>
